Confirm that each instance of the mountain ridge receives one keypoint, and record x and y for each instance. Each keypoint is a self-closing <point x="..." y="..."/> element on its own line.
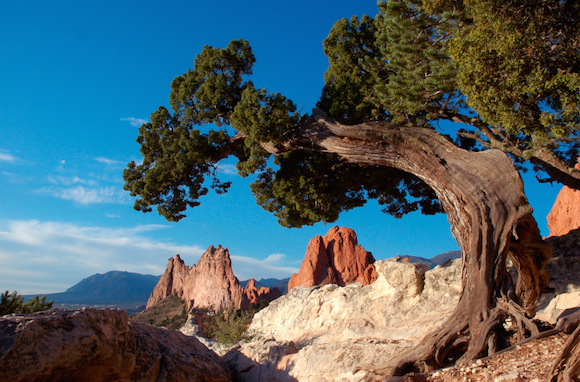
<point x="116" y="289"/>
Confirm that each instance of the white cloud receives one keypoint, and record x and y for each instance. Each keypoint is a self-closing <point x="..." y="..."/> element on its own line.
<point x="137" y="122"/>
<point x="228" y="169"/>
<point x="108" y="161"/>
<point x="87" y="195"/>
<point x="13" y="178"/>
<point x="47" y="257"/>
<point x="69" y="181"/>
<point x="275" y="257"/>
<point x="273" y="267"/>
<point x="5" y="156"/>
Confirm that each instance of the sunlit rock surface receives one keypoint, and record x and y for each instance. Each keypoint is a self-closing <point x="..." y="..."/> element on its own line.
<point x="336" y="258"/>
<point x="93" y="345"/>
<point x="209" y="284"/>
<point x="333" y="333"/>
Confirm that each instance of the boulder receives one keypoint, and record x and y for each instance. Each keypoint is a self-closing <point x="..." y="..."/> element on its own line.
<point x="209" y="284"/>
<point x="336" y="258"/>
<point x="100" y="345"/>
<point x="333" y="333"/>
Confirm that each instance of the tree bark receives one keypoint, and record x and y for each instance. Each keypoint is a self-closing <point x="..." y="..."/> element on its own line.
<point x="490" y="217"/>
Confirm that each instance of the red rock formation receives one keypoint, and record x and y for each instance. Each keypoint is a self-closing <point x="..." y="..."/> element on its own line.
<point x="209" y="284"/>
<point x="335" y="258"/>
<point x="565" y="213"/>
<point x="253" y="295"/>
<point x="172" y="281"/>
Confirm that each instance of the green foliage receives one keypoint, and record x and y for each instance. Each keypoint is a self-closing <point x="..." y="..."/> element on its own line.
<point x="413" y="47"/>
<point x="14" y="303"/>
<point x="229" y="326"/>
<point x="510" y="70"/>
<point x="209" y="93"/>
<point x="310" y="187"/>
<point x="354" y="69"/>
<point x="518" y="64"/>
<point x="263" y="117"/>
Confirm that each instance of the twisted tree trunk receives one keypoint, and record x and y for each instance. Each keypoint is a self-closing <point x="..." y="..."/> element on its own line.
<point x="483" y="196"/>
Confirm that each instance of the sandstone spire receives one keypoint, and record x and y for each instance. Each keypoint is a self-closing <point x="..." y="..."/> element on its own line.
<point x="565" y="213"/>
<point x="209" y="284"/>
<point x="335" y="258"/>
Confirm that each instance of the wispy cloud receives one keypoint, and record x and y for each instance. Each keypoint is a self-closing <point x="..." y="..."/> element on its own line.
<point x="5" y="156"/>
<point x="88" y="195"/>
<point x="107" y="161"/>
<point x="48" y="257"/>
<point x="137" y="122"/>
<point x="70" y="180"/>
<point x="273" y="267"/>
<point x="228" y="169"/>
<point x="97" y="186"/>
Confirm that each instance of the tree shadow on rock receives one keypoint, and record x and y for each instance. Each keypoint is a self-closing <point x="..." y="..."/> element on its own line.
<point x="275" y="362"/>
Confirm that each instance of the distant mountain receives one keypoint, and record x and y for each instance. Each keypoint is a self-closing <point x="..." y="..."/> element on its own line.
<point x="275" y="283"/>
<point x="114" y="289"/>
<point x="434" y="261"/>
<point x="270" y="283"/>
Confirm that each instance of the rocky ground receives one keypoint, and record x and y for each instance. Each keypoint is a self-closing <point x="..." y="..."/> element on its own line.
<point x="530" y="362"/>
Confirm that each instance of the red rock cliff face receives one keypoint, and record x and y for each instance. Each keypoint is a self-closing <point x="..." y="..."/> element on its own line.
<point x="565" y="213"/>
<point x="209" y="284"/>
<point x="335" y="258"/>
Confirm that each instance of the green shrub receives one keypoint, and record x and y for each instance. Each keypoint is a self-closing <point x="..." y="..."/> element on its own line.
<point x="229" y="326"/>
<point x="14" y="303"/>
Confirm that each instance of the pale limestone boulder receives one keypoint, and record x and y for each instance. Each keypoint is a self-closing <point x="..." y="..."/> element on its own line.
<point x="333" y="333"/>
<point x="100" y="345"/>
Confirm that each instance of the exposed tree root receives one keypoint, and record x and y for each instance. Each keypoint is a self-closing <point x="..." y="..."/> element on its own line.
<point x="566" y="368"/>
<point x="481" y="325"/>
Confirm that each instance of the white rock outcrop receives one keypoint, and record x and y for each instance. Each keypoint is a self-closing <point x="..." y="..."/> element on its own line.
<point x="333" y="333"/>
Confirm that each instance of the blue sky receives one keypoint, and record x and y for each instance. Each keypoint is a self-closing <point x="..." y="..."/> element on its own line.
<point x="76" y="81"/>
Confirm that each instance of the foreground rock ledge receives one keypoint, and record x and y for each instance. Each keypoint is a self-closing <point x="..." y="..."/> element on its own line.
<point x="100" y="345"/>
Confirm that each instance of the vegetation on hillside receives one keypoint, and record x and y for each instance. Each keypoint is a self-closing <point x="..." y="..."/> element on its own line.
<point x="171" y="312"/>
<point x="230" y="326"/>
<point x="227" y="327"/>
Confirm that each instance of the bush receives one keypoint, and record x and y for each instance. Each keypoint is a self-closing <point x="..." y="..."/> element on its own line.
<point x="229" y="326"/>
<point x="14" y="303"/>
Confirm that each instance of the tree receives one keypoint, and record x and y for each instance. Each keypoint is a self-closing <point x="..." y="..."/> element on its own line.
<point x="390" y="80"/>
<point x="14" y="303"/>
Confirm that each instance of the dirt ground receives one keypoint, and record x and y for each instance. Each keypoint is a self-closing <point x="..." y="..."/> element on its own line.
<point x="530" y="362"/>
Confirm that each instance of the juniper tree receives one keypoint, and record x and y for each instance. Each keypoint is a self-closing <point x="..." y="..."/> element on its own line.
<point x="507" y="70"/>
